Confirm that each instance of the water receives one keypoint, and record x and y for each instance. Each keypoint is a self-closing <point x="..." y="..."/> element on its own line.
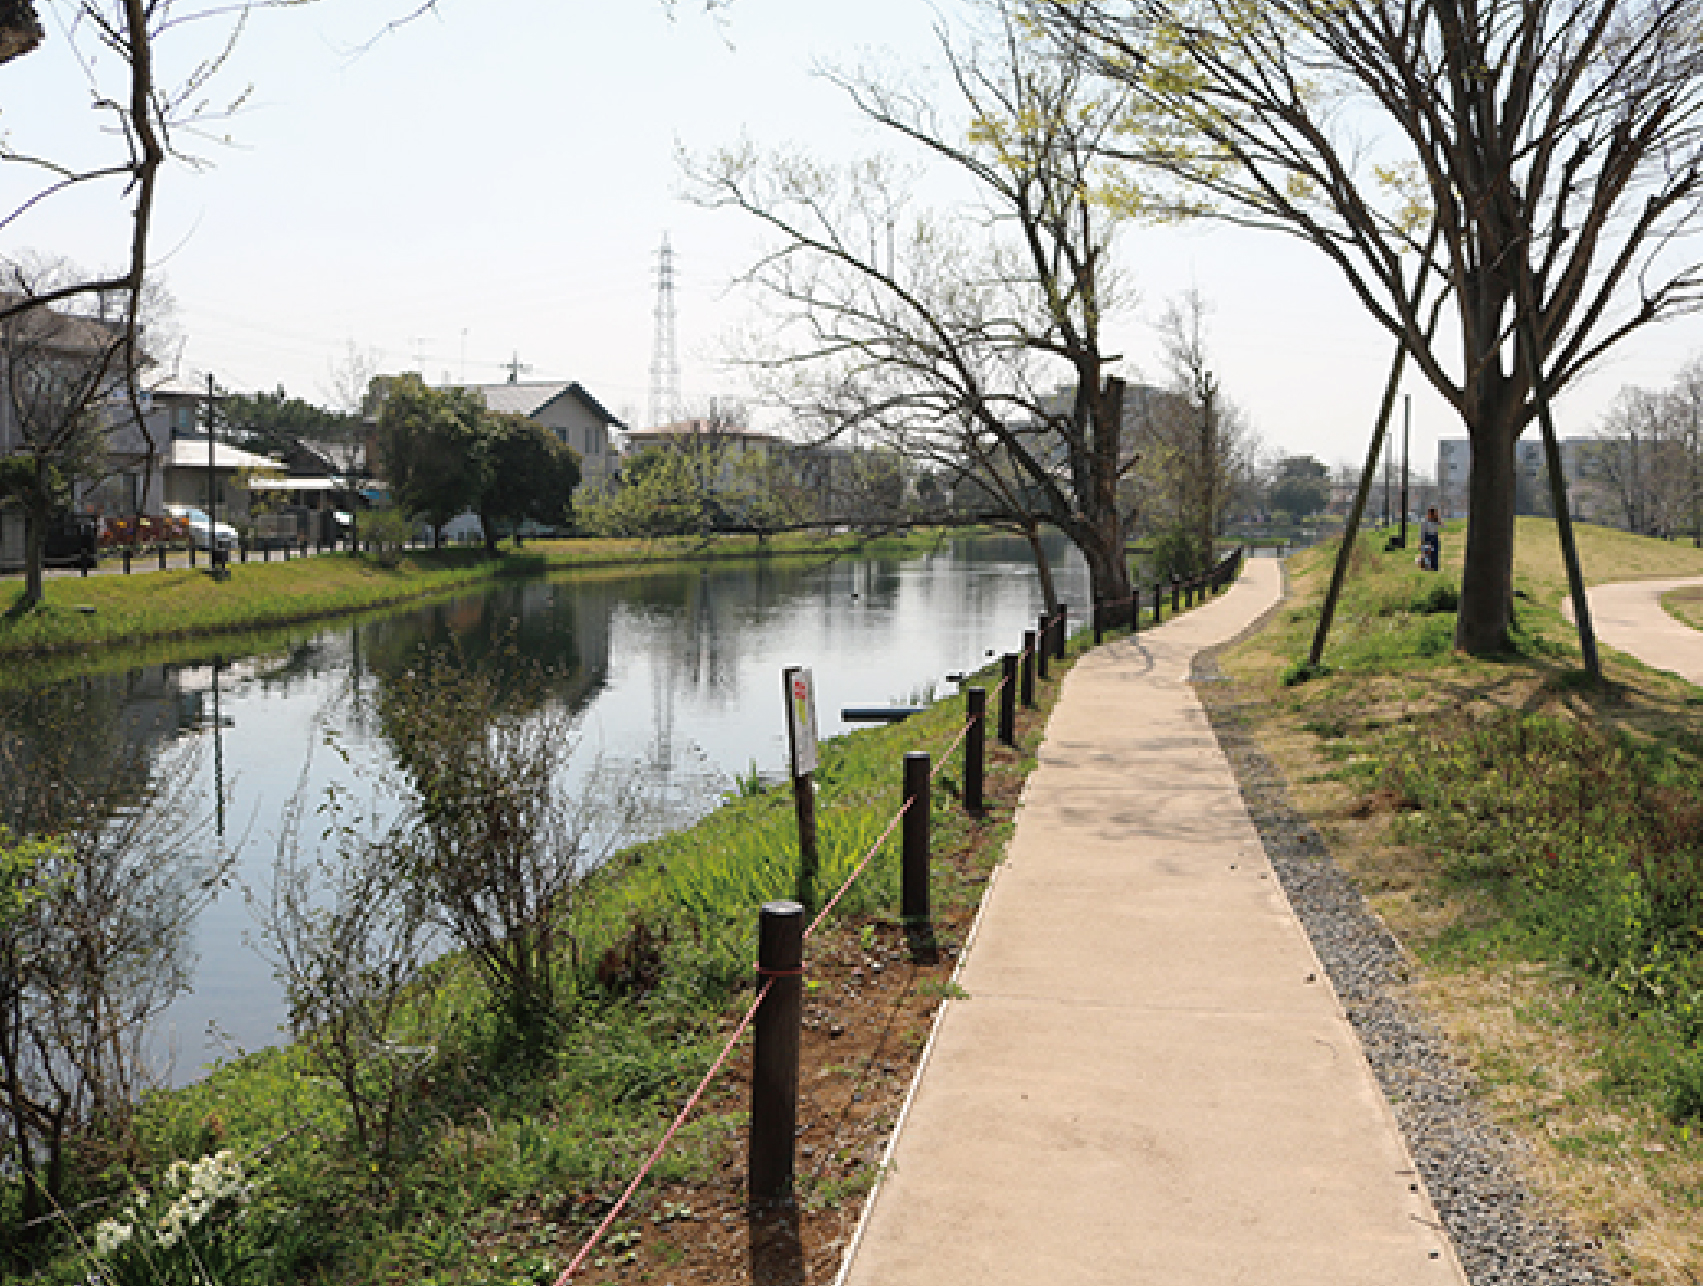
<point x="673" y="677"/>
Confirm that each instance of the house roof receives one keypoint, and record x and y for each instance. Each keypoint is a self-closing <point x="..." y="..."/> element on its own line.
<point x="532" y="396"/>
<point x="191" y="453"/>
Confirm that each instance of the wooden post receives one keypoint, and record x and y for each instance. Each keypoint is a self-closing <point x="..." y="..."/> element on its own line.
<point x="1099" y="622"/>
<point x="1061" y="631"/>
<point x="1158" y="602"/>
<point x="192" y="552"/>
<point x="1008" y="699"/>
<point x="161" y="550"/>
<point x="127" y="560"/>
<point x="774" y="1054"/>
<point x="1027" y="684"/>
<point x="1043" y="645"/>
<point x="975" y="746"/>
<point x="913" y="877"/>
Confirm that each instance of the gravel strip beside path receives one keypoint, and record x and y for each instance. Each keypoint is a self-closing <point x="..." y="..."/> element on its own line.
<point x="1467" y="1162"/>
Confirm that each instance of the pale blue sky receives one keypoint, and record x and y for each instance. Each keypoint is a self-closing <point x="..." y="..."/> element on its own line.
<point x="497" y="177"/>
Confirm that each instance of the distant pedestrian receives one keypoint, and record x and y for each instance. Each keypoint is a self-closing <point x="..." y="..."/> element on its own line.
<point x="1430" y="540"/>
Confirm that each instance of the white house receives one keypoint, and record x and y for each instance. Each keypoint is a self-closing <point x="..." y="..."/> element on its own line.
<point x="574" y="415"/>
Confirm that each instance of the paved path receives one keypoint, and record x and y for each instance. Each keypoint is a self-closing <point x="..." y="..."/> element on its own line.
<point x="1151" y="1082"/>
<point x="1629" y="616"/>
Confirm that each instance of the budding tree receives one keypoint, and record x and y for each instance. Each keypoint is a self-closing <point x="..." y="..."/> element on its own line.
<point x="1529" y="166"/>
<point x="970" y="342"/>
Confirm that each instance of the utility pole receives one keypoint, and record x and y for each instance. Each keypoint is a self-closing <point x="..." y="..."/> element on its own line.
<point x="1406" y="425"/>
<point x="1389" y="468"/>
<point x="213" y="559"/>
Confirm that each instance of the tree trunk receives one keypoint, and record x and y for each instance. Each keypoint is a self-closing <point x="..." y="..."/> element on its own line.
<point x="1043" y="568"/>
<point x="1487" y="583"/>
<point x="35" y="553"/>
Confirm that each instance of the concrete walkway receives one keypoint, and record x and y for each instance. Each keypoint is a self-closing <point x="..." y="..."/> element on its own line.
<point x="1151" y="1081"/>
<point x="1629" y="616"/>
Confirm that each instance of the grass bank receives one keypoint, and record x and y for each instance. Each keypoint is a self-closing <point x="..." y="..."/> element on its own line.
<point x="500" y="1165"/>
<point x="1538" y="846"/>
<point x="79" y="614"/>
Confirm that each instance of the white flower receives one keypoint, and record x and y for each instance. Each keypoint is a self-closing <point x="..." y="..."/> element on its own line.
<point x="110" y="1234"/>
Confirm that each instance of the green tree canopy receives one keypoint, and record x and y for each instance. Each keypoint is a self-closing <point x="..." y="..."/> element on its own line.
<point x="435" y="449"/>
<point x="273" y="422"/>
<point x="532" y="476"/>
<point x="1301" y="487"/>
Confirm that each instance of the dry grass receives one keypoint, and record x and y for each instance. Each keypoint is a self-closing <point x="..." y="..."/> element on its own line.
<point x="1616" y="1170"/>
<point x="1685" y="605"/>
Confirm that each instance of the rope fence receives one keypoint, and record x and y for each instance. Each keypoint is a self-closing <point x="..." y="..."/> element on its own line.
<point x="782" y="931"/>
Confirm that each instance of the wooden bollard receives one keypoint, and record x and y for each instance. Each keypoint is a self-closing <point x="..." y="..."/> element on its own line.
<point x="162" y="552"/>
<point x="1099" y="622"/>
<point x="127" y="560"/>
<point x="1176" y="597"/>
<point x="975" y="746"/>
<point x="1134" y="608"/>
<point x="1008" y="699"/>
<point x="913" y="872"/>
<point x="1158" y="602"/>
<point x="774" y="1054"/>
<point x="1043" y="645"/>
<point x="1061" y="631"/>
<point x="1026" y="688"/>
<point x="192" y="553"/>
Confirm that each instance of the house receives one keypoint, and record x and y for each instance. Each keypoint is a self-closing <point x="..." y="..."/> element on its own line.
<point x="567" y="410"/>
<point x="724" y="449"/>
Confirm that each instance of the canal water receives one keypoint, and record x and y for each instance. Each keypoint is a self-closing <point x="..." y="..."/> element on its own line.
<point x="672" y="677"/>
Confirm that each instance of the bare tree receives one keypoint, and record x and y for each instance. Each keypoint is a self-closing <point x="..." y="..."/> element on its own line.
<point x="351" y="381"/>
<point x="1552" y="150"/>
<point x="103" y="947"/>
<point x="970" y="343"/>
<point x="59" y="369"/>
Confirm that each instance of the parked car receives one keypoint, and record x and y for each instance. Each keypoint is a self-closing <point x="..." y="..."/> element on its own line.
<point x="199" y="526"/>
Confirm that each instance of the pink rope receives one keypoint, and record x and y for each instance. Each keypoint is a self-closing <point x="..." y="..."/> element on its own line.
<point x="852" y="878"/>
<point x="750" y="1013"/>
<point x="667" y="1138"/>
<point x="947" y="754"/>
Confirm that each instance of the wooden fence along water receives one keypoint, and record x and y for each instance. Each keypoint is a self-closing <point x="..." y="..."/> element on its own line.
<point x="776" y="1012"/>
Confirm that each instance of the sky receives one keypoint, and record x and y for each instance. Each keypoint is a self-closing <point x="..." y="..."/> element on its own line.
<point x="492" y="183"/>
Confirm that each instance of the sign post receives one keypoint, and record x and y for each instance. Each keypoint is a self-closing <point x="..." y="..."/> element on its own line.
<point x="800" y="694"/>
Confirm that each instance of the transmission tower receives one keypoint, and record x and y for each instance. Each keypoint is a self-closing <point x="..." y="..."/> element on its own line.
<point x="664" y="360"/>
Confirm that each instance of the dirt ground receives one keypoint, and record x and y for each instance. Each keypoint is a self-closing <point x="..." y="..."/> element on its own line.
<point x="869" y="1007"/>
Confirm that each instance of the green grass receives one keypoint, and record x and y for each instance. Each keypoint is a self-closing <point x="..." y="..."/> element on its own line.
<point x="80" y="613"/>
<point x="1573" y="820"/>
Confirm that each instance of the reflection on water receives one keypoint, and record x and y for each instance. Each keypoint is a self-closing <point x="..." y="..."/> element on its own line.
<point x="673" y="675"/>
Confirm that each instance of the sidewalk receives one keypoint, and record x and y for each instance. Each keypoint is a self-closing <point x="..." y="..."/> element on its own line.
<point x="1151" y="1081"/>
<point x="1630" y="617"/>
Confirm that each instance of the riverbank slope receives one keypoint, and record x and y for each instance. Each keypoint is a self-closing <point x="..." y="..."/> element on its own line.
<point x="80" y="614"/>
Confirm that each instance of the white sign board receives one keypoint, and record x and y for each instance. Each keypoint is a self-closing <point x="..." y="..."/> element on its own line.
<point x="800" y="718"/>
